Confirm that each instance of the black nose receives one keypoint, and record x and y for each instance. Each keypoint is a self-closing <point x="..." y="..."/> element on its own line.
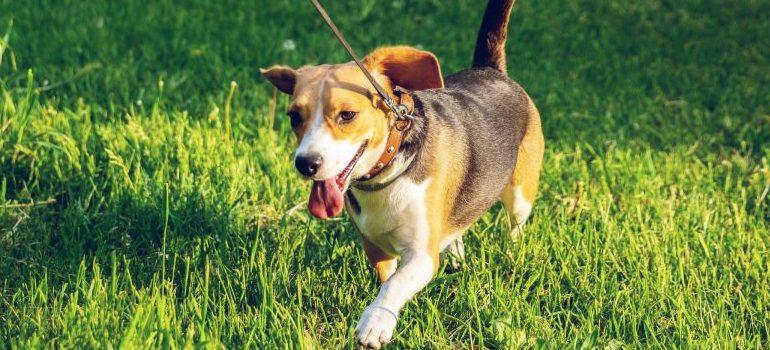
<point x="308" y="164"/>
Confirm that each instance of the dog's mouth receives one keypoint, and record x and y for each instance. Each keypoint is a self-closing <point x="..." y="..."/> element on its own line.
<point x="343" y="177"/>
<point x="326" y="195"/>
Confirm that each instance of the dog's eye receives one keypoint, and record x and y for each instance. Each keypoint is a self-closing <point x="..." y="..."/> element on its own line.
<point x="346" y="116"/>
<point x="295" y="118"/>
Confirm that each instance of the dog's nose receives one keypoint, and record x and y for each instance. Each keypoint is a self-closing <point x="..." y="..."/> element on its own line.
<point x="308" y="164"/>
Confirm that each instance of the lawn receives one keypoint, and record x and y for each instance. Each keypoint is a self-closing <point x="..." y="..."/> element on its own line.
<point x="148" y="198"/>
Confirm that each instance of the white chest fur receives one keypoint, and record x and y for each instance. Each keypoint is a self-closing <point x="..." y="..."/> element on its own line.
<point x="394" y="218"/>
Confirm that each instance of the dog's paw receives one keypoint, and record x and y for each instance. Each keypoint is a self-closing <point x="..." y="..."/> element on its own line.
<point x="375" y="327"/>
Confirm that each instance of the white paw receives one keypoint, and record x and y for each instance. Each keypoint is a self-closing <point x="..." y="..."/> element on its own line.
<point x="375" y="327"/>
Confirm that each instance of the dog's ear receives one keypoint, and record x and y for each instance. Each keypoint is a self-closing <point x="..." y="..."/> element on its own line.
<point x="283" y="77"/>
<point x="407" y="67"/>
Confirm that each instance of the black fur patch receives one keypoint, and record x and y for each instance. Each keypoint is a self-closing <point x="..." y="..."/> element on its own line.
<point x="353" y="203"/>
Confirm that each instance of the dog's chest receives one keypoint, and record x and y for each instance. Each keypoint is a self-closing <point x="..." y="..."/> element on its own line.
<point x="395" y="217"/>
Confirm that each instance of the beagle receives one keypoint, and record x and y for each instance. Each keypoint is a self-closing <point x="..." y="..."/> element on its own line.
<point x="412" y="190"/>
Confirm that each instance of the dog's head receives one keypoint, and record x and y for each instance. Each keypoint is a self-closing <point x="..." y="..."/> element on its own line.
<point x="340" y="122"/>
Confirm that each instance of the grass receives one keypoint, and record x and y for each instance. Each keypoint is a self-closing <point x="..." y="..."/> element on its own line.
<point x="147" y="202"/>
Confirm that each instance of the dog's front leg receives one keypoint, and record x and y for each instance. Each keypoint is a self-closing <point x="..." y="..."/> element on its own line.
<point x="379" y="319"/>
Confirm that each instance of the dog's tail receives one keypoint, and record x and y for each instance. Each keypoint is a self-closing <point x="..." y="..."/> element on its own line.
<point x="490" y="44"/>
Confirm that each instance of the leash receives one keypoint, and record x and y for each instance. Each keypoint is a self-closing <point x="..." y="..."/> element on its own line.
<point x="400" y="110"/>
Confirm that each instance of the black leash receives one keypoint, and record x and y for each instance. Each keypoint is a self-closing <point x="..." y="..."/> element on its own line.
<point x="401" y="111"/>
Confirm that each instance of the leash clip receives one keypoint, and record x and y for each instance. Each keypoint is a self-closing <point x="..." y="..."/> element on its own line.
<point x="400" y="110"/>
<point x="403" y="113"/>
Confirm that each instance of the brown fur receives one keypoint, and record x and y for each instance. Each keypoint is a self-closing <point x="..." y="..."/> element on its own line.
<point x="527" y="172"/>
<point x="407" y="67"/>
<point x="343" y="91"/>
<point x="382" y="263"/>
<point x="443" y="189"/>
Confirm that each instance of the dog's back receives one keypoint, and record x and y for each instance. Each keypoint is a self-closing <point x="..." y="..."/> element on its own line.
<point x="483" y="123"/>
<point x="476" y="123"/>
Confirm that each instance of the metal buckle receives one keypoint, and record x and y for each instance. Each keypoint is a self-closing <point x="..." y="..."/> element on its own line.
<point x="403" y="112"/>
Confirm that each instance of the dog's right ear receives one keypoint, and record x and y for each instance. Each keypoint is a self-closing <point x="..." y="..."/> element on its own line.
<point x="283" y="77"/>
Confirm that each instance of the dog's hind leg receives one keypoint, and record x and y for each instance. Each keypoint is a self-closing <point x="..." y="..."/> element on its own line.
<point x="518" y="207"/>
<point x="519" y="195"/>
<point x="455" y="252"/>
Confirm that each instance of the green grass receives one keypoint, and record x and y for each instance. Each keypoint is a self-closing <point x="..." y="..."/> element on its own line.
<point x="132" y="216"/>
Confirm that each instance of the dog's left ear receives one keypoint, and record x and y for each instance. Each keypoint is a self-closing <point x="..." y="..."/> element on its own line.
<point x="283" y="77"/>
<point x="407" y="67"/>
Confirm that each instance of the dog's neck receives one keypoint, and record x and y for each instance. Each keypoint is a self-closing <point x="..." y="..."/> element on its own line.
<point x="396" y="169"/>
<point x="414" y="138"/>
<point x="410" y="146"/>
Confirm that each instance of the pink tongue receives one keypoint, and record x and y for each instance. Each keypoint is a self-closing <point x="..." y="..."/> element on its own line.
<point x="325" y="199"/>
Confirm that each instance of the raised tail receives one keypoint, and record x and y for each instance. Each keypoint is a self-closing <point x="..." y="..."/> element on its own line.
<point x="490" y="44"/>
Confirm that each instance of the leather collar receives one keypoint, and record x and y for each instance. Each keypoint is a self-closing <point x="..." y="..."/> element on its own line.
<point x="396" y="135"/>
<point x="376" y="186"/>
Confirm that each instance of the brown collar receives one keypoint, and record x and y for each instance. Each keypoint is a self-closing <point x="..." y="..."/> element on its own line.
<point x="396" y="135"/>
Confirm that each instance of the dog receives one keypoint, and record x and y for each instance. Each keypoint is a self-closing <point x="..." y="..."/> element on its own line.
<point x="412" y="187"/>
